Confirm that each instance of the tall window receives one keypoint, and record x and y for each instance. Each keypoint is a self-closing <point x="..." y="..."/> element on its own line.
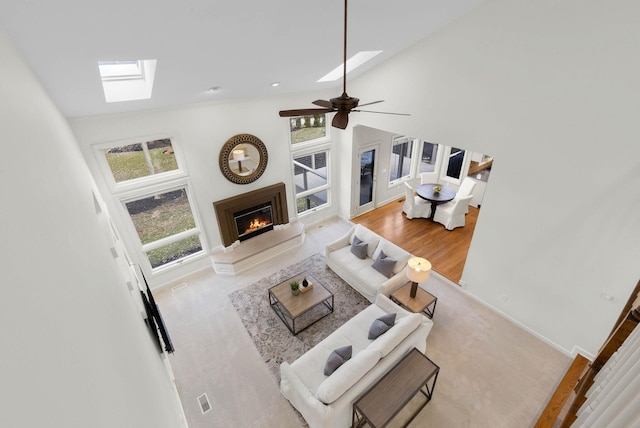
<point x="165" y="226"/>
<point x="428" y="157"/>
<point x="455" y="161"/>
<point x="149" y="181"/>
<point x="401" y="152"/>
<point x="310" y="176"/>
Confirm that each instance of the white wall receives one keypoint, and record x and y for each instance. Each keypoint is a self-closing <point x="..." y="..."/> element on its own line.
<point x="550" y="89"/>
<point x="75" y="350"/>
<point x="510" y="78"/>
<point x="202" y="130"/>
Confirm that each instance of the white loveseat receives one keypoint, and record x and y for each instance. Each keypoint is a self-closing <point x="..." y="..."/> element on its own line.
<point x="359" y="273"/>
<point x="327" y="401"/>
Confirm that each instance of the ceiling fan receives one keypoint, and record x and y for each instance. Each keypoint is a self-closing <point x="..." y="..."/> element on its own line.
<point x="342" y="105"/>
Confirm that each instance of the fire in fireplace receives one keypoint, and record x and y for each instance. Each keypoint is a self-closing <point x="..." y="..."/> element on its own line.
<point x="253" y="221"/>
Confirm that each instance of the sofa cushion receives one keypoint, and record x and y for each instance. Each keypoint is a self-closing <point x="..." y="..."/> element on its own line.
<point x="393" y="251"/>
<point x="402" y="328"/>
<point x="380" y="325"/>
<point x="359" y="247"/>
<point x="371" y="238"/>
<point x="347" y="375"/>
<point x="337" y="358"/>
<point x="384" y="264"/>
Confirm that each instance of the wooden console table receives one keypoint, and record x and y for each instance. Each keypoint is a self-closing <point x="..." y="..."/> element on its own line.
<point x="386" y="398"/>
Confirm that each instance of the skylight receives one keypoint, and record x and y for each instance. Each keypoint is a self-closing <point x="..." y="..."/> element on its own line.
<point x="120" y="70"/>
<point x="127" y="80"/>
<point x="352" y="63"/>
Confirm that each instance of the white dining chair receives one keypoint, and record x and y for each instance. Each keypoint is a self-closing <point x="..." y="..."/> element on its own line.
<point x="414" y="206"/>
<point x="428" y="178"/>
<point x="466" y="189"/>
<point x="451" y="215"/>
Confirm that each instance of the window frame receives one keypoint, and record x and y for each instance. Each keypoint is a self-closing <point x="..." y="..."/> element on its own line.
<point x="305" y="144"/>
<point x="150" y="191"/>
<point x="124" y="186"/>
<point x="413" y="166"/>
<point x="306" y="151"/>
<point x="446" y="157"/>
<point x="150" y="185"/>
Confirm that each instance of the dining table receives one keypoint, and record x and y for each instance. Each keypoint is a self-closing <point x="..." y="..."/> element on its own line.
<point x="436" y="197"/>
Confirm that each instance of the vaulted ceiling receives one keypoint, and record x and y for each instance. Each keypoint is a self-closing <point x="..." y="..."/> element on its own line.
<point x="240" y="46"/>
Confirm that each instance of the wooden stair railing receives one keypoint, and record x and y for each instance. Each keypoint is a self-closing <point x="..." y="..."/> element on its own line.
<point x="580" y="374"/>
<point x="562" y="393"/>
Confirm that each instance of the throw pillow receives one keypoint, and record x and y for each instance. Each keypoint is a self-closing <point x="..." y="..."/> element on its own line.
<point x="384" y="264"/>
<point x="381" y="325"/>
<point x="336" y="359"/>
<point x="359" y="247"/>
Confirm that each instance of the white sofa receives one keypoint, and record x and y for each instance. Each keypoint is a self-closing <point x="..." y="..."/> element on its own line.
<point x="359" y="273"/>
<point x="327" y="401"/>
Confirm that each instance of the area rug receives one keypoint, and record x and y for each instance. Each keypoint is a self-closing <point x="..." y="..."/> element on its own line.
<point x="274" y="341"/>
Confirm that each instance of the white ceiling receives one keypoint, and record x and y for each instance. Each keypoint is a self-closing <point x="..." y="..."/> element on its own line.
<point x="241" y="46"/>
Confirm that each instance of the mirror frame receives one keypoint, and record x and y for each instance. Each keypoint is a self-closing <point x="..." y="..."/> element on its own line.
<point x="225" y="153"/>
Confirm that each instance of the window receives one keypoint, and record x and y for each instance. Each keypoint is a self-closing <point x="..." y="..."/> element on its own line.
<point x="401" y="151"/>
<point x="127" y="80"/>
<point x="138" y="160"/>
<point x="307" y="128"/>
<point x="454" y="164"/>
<point x="165" y="225"/>
<point x="310" y="176"/>
<point x="428" y="157"/>
<point x="121" y="70"/>
<point x="151" y="185"/>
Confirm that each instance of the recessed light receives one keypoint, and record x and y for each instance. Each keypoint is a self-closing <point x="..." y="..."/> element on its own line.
<point x="274" y="84"/>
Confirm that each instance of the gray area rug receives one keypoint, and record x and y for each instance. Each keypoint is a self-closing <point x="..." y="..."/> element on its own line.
<point x="274" y="341"/>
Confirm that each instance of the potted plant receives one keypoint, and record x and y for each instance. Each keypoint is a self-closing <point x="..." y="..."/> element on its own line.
<point x="295" y="287"/>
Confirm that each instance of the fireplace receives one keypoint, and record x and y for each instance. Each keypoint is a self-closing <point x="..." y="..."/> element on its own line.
<point x="256" y="201"/>
<point x="253" y="221"/>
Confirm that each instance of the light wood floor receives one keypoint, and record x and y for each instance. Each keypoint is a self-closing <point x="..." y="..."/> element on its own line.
<point x="445" y="249"/>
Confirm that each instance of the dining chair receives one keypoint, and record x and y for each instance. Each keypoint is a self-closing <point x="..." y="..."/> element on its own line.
<point x="466" y="189"/>
<point x="414" y="206"/>
<point x="428" y="178"/>
<point x="451" y="215"/>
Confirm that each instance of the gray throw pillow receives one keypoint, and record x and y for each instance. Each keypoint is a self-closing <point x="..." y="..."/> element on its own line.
<point x="381" y="325"/>
<point x="336" y="359"/>
<point x="359" y="247"/>
<point x="384" y="264"/>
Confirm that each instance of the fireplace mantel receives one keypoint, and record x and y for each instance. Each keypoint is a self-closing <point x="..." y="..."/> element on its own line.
<point x="275" y="194"/>
<point x="239" y="256"/>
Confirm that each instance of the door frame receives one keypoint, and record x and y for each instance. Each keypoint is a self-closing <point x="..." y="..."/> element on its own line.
<point x="355" y="194"/>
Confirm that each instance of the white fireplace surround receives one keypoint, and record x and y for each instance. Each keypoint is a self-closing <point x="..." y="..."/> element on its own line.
<point x="241" y="256"/>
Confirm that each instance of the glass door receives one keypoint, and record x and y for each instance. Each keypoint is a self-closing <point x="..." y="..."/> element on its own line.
<point x="366" y="181"/>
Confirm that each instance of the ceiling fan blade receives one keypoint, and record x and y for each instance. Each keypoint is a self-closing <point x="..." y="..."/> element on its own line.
<point x="368" y="104"/>
<point x="304" y="112"/>
<point x="340" y="120"/>
<point x="323" y="103"/>
<point x="382" y="112"/>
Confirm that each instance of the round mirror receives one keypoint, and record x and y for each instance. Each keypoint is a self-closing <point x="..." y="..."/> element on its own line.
<point x="243" y="159"/>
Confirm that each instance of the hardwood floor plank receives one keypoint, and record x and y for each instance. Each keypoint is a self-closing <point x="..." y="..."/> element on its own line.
<point x="445" y="249"/>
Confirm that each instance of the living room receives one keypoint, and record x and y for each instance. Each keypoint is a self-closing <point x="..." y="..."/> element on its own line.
<point x="559" y="245"/>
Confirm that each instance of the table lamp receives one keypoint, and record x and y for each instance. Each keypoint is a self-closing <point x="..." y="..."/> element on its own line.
<point x="238" y="155"/>
<point x="418" y="270"/>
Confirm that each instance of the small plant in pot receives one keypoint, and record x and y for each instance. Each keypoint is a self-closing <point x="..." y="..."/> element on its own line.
<point x="295" y="287"/>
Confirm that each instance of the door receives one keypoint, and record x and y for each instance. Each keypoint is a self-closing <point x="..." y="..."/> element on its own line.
<point x="366" y="181"/>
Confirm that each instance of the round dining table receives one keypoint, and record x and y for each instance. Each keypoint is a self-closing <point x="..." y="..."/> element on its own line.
<point x="425" y="191"/>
